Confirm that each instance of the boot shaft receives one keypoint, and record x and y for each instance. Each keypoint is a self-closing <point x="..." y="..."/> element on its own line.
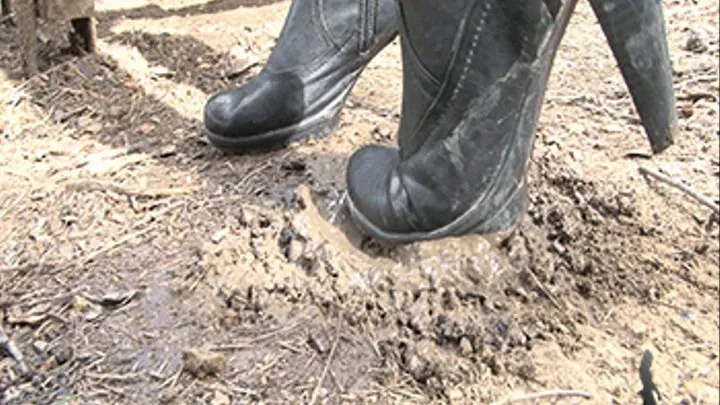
<point x="474" y="85"/>
<point x="478" y="45"/>
<point x="316" y="27"/>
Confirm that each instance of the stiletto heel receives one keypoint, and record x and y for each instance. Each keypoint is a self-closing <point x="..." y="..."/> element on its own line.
<point x="635" y="30"/>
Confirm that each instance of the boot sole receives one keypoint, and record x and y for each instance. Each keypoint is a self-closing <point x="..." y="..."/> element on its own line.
<point x="315" y="127"/>
<point x="495" y="231"/>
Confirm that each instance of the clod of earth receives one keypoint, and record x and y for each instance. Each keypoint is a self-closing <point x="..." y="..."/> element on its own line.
<point x="203" y="364"/>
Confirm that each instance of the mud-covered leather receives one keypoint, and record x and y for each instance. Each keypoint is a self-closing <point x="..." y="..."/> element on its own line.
<point x="473" y="91"/>
<point x="320" y="50"/>
<point x="468" y="122"/>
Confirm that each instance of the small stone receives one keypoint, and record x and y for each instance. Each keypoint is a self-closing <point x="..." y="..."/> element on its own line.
<point x="417" y="366"/>
<point x="89" y="310"/>
<point x="80" y="303"/>
<point x="167" y="151"/>
<point x="161" y="71"/>
<point x="319" y="341"/>
<point x="202" y="364"/>
<point x="295" y="250"/>
<point x="687" y="111"/>
<point x="40" y="347"/>
<point x="382" y="132"/>
<point x="146" y="127"/>
<point x="612" y="129"/>
<point x="456" y="396"/>
<point x="695" y="43"/>
<point x="220" y="398"/>
<point x="218" y="236"/>
<point x="576" y="128"/>
<point x="466" y="347"/>
<point x="63" y="353"/>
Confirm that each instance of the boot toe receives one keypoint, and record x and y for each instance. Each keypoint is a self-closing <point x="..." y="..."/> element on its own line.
<point x="368" y="175"/>
<point x="219" y="112"/>
<point x="263" y="105"/>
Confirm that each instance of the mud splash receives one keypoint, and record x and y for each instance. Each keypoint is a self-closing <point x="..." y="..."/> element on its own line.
<point x="435" y="304"/>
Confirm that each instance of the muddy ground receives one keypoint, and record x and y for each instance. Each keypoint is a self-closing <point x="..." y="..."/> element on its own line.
<point x="129" y="246"/>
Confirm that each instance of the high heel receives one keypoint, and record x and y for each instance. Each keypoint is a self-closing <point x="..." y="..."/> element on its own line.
<point x="635" y="31"/>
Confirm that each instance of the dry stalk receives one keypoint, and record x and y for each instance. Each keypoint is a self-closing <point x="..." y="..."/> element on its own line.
<point x="252" y="342"/>
<point x="97" y="185"/>
<point x="702" y="199"/>
<point x="544" y="290"/>
<point x="316" y="391"/>
<point x="125" y="239"/>
<point x="557" y="394"/>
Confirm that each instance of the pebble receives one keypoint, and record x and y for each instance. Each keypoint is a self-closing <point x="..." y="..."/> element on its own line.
<point x="218" y="236"/>
<point x="40" y="347"/>
<point x="319" y="341"/>
<point x="466" y="347"/>
<point x="695" y="43"/>
<point x="202" y="363"/>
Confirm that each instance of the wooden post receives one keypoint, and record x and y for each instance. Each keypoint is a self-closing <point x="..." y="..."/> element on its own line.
<point x="6" y="9"/>
<point x="80" y="12"/>
<point x="25" y="16"/>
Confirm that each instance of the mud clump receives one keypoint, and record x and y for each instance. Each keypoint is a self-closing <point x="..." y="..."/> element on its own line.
<point x="203" y="364"/>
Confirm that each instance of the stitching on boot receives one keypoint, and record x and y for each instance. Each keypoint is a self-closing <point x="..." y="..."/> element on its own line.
<point x="463" y="77"/>
<point x="471" y="52"/>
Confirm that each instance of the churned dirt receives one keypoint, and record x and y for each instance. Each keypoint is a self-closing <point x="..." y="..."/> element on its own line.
<point x="140" y="265"/>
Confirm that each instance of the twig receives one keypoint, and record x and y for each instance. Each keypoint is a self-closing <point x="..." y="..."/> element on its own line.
<point x="125" y="239"/>
<point x="96" y="185"/>
<point x="252" y="342"/>
<point x="549" y="394"/>
<point x="115" y="377"/>
<point x="259" y="169"/>
<point x="704" y="200"/>
<point x="11" y="348"/>
<point x="545" y="291"/>
<point x="172" y="380"/>
<point x="153" y="215"/>
<point x="72" y="113"/>
<point x="288" y="346"/>
<point x="316" y="391"/>
<point x="339" y="386"/>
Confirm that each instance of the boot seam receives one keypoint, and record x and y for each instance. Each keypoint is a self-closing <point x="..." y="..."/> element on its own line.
<point x="463" y="31"/>
<point x="368" y="25"/>
<point x="427" y="74"/>
<point x="319" y="18"/>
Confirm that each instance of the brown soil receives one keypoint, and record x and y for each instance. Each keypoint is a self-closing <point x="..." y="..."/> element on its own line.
<point x="126" y="240"/>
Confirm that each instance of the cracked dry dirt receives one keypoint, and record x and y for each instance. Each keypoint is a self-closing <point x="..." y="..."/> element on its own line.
<point x="126" y="241"/>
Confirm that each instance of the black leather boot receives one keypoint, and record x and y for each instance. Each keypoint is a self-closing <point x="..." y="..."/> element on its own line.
<point x="323" y="47"/>
<point x="474" y="84"/>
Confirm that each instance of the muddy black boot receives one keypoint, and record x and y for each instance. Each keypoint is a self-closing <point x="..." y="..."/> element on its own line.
<point x="474" y="83"/>
<point x="323" y="47"/>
